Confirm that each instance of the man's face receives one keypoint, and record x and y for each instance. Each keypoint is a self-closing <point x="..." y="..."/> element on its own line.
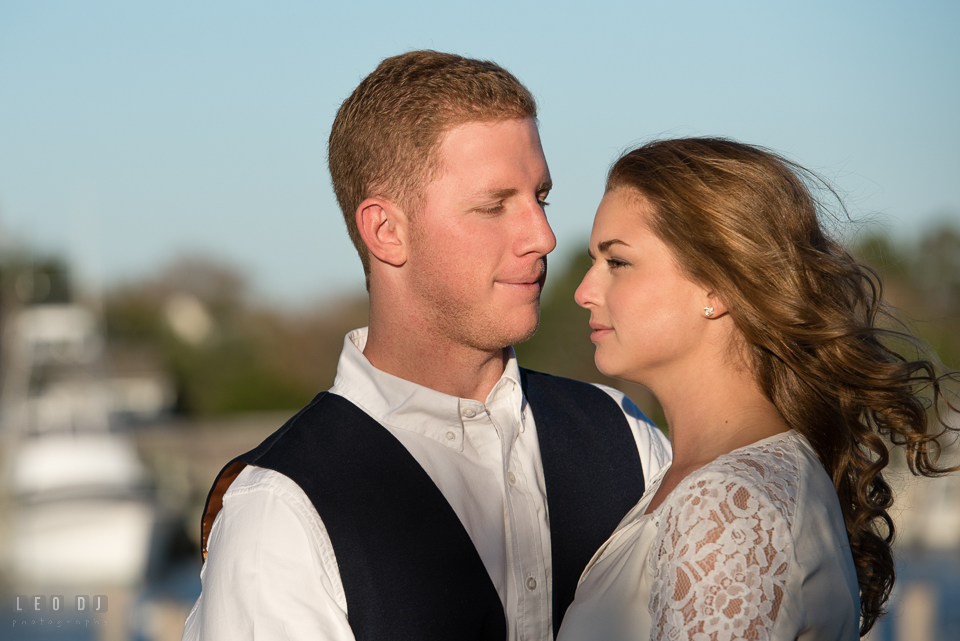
<point x="479" y="242"/>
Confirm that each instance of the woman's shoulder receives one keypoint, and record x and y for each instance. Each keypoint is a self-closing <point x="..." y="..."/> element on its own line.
<point x="725" y="541"/>
<point x="765" y="474"/>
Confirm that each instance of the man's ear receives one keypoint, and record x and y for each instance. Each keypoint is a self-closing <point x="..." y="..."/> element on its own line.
<point x="383" y="227"/>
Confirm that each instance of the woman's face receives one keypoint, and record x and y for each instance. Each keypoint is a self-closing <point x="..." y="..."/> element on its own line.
<point x="647" y="316"/>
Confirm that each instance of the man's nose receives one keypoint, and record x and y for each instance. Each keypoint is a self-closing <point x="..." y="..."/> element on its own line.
<point x="538" y="237"/>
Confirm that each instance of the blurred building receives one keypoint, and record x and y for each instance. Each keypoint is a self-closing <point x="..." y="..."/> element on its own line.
<point x="926" y="515"/>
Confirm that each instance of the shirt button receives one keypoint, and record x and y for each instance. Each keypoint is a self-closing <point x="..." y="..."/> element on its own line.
<point x="531" y="583"/>
<point x="451" y="436"/>
<point x="469" y="412"/>
<point x="512" y="478"/>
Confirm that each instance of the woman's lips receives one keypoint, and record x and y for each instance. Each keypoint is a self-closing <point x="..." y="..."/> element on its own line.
<point x="599" y="331"/>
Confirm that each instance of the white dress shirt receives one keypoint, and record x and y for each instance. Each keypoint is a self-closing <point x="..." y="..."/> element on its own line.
<point x="271" y="571"/>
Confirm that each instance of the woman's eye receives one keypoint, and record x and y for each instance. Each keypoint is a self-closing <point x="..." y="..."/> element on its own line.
<point x="616" y="263"/>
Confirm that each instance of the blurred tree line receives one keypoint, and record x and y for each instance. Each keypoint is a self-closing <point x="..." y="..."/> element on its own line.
<point x="227" y="353"/>
<point x="29" y="279"/>
<point x="922" y="281"/>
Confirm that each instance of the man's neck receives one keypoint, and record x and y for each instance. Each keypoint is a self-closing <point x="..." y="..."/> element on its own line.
<point x="432" y="362"/>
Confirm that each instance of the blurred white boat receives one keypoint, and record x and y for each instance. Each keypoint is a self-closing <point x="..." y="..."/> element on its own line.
<point x="79" y="511"/>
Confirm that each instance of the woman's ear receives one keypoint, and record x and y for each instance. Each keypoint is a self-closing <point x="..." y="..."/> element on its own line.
<point x="713" y="305"/>
<point x="384" y="229"/>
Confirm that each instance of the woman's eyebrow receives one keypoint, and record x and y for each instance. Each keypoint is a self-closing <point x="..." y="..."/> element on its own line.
<point x="605" y="245"/>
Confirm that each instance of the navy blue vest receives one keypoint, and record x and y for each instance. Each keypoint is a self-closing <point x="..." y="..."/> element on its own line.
<point x="408" y="567"/>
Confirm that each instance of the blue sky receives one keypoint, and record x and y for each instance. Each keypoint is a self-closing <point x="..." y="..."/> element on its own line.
<point x="134" y="132"/>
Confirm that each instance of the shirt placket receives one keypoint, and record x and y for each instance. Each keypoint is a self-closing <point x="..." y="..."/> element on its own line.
<point x="523" y="531"/>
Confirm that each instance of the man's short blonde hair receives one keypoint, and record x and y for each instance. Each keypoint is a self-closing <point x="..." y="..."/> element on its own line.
<point x="385" y="139"/>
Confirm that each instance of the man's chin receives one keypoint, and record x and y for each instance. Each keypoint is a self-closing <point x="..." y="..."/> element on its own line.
<point x="527" y="332"/>
<point x="503" y="335"/>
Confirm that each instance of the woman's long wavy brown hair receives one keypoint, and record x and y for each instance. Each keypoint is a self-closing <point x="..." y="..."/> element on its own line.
<point x="746" y="223"/>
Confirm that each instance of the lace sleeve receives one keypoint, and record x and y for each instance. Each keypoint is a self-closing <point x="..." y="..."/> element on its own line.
<point x="720" y="560"/>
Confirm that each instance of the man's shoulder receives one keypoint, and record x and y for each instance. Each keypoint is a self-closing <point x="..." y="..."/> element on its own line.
<point x="533" y="377"/>
<point x="531" y="374"/>
<point x="652" y="444"/>
<point x="597" y="391"/>
<point x="326" y="408"/>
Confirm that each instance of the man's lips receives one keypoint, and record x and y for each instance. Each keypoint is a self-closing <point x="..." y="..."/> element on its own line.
<point x="530" y="286"/>
<point x="519" y="281"/>
<point x="529" y="280"/>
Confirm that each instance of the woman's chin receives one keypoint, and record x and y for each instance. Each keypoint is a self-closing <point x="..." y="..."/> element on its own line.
<point x="609" y="369"/>
<point x="618" y="371"/>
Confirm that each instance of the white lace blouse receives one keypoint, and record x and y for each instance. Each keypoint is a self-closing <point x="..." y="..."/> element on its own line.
<point x="750" y="546"/>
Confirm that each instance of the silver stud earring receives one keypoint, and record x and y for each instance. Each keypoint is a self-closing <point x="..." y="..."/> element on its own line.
<point x="708" y="311"/>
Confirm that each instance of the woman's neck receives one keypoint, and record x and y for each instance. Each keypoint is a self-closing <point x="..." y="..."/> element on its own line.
<point x="710" y="415"/>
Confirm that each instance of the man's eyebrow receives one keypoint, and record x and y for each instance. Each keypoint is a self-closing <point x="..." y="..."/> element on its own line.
<point x="503" y="194"/>
<point x="499" y="194"/>
<point x="605" y="245"/>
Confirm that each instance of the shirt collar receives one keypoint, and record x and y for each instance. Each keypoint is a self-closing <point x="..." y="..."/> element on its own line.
<point x="397" y="402"/>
